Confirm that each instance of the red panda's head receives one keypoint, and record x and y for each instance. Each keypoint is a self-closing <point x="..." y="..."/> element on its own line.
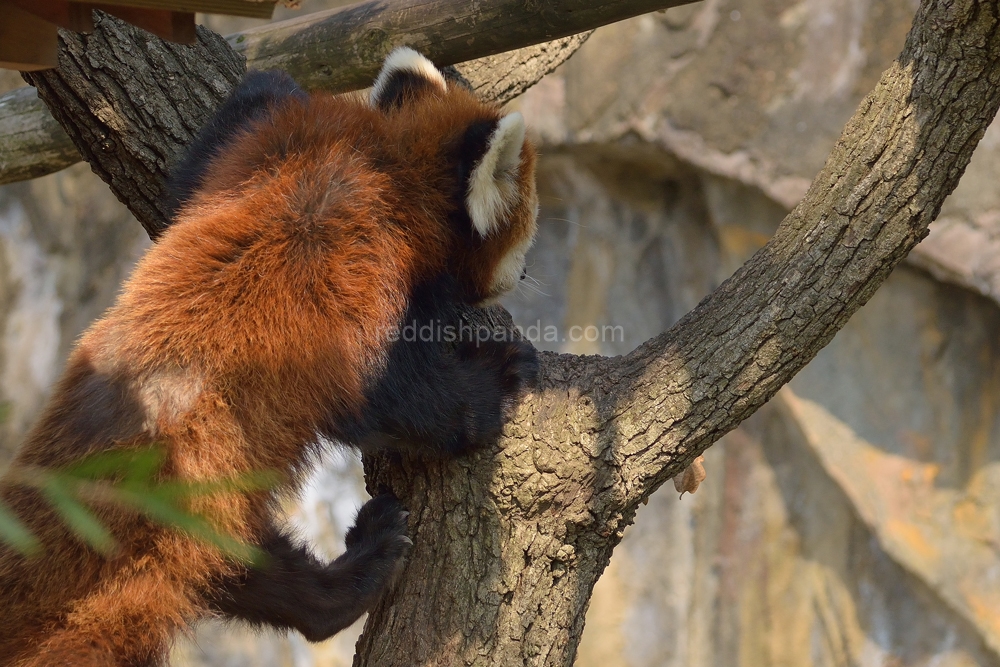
<point x="477" y="157"/>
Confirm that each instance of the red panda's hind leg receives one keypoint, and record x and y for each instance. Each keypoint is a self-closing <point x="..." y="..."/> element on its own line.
<point x="295" y="590"/>
<point x="130" y="620"/>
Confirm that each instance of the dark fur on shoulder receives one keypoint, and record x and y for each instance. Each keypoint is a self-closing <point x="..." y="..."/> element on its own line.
<point x="258" y="94"/>
<point x="310" y="231"/>
<point x="444" y="390"/>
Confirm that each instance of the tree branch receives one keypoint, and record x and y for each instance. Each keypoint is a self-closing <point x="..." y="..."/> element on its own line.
<point x="32" y="143"/>
<point x="898" y="158"/>
<point x="341" y="50"/>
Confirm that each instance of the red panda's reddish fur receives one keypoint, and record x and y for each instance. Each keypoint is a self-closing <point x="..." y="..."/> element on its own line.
<point x="247" y="324"/>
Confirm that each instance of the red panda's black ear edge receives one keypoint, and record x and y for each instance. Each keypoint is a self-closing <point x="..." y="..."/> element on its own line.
<point x="405" y="75"/>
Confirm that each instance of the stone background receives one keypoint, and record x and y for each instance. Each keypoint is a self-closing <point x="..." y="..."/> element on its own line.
<point x="855" y="520"/>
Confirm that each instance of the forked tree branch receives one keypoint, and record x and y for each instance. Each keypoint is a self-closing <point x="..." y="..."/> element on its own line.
<point x="509" y="543"/>
<point x="898" y="158"/>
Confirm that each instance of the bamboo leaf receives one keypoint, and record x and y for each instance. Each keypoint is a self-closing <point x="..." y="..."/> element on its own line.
<point x="245" y="483"/>
<point x="160" y="509"/>
<point x="79" y="519"/>
<point x="132" y="464"/>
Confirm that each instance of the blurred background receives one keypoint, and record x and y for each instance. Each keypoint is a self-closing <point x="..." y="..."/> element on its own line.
<point x="855" y="520"/>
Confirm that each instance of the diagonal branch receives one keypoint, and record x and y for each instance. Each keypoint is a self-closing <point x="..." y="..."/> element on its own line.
<point x="900" y="155"/>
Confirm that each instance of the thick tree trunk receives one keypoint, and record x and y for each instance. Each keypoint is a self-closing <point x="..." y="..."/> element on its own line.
<point x="509" y="543"/>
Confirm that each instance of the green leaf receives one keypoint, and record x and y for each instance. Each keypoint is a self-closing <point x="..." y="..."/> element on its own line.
<point x="132" y="464"/>
<point x="16" y="534"/>
<point x="245" y="483"/>
<point x="79" y="519"/>
<point x="130" y="478"/>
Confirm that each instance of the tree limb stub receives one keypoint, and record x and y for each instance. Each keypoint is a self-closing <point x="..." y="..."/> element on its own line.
<point x="341" y="50"/>
<point x="32" y="143"/>
<point x="508" y="544"/>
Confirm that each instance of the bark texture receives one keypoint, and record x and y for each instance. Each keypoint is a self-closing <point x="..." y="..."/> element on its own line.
<point x="509" y="543"/>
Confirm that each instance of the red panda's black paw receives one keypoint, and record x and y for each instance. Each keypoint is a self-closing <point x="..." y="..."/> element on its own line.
<point x="515" y="364"/>
<point x="379" y="531"/>
<point x="520" y="369"/>
<point x="377" y="545"/>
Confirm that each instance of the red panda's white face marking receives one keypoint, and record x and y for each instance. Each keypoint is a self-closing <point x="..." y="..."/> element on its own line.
<point x="496" y="193"/>
<point x="508" y="271"/>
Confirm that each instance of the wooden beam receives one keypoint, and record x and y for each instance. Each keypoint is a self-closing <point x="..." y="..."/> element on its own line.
<point x="262" y="9"/>
<point x="342" y="49"/>
<point x="27" y="42"/>
<point x="75" y="16"/>
<point x="167" y="22"/>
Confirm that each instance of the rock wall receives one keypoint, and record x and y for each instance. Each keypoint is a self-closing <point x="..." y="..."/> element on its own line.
<point x="853" y="520"/>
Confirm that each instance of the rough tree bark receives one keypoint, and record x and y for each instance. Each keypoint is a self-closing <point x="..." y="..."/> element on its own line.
<point x="509" y="542"/>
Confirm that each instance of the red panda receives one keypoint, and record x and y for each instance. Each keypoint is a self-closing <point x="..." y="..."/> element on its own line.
<point x="308" y="230"/>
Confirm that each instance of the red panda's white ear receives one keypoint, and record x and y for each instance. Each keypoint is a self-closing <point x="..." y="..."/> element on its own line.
<point x="405" y="73"/>
<point x="493" y="184"/>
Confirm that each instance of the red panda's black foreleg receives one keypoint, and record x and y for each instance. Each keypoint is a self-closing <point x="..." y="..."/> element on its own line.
<point x="292" y="589"/>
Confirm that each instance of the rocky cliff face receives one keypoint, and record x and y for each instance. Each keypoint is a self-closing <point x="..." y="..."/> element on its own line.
<point x="852" y="521"/>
